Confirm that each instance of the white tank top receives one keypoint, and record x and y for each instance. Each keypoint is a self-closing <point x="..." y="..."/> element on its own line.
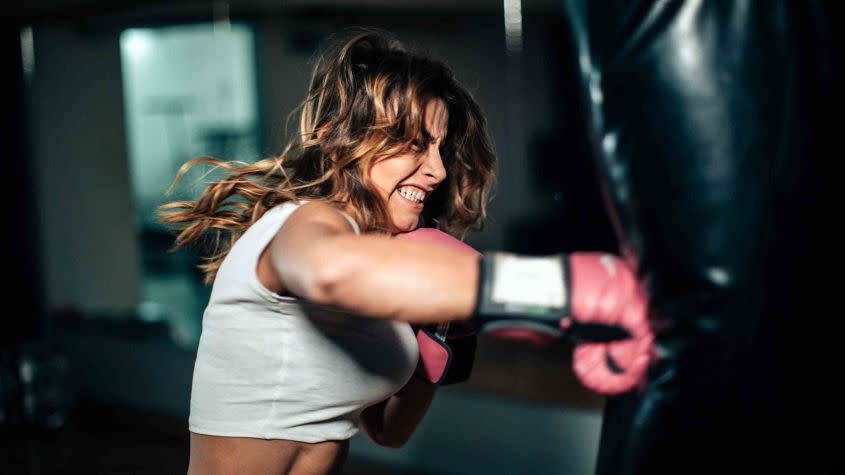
<point x="277" y="367"/>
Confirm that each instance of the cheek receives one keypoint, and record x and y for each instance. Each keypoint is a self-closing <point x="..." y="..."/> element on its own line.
<point x="378" y="180"/>
<point x="388" y="174"/>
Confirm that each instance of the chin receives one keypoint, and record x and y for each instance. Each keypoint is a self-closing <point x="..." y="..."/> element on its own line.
<point x="405" y="225"/>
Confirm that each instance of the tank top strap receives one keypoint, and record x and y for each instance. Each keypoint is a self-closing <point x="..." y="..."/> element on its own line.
<point x="351" y="222"/>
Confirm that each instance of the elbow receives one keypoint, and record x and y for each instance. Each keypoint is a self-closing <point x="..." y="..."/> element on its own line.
<point x="372" y="423"/>
<point x="393" y="442"/>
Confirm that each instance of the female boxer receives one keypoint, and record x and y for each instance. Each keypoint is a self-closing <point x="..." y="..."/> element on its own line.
<point x="286" y="372"/>
<point x="388" y="139"/>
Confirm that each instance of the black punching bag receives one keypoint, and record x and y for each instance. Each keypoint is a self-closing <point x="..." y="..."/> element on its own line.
<point x="710" y="123"/>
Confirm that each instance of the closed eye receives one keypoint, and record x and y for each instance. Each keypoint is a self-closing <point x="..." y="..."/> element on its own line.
<point x="419" y="144"/>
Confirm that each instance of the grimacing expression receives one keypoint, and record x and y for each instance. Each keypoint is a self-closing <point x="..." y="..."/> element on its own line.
<point x="405" y="181"/>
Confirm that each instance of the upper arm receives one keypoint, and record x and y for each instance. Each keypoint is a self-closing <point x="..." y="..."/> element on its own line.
<point x="301" y="249"/>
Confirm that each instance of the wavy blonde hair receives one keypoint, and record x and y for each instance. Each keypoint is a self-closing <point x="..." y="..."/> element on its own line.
<point x="365" y="102"/>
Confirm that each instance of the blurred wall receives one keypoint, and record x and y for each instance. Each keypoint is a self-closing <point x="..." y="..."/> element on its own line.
<point x="79" y="156"/>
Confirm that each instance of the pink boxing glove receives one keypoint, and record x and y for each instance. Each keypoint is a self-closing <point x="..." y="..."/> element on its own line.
<point x="606" y="292"/>
<point x="447" y="351"/>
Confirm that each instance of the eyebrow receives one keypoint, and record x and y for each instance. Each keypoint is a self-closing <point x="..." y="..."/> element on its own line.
<point x="430" y="138"/>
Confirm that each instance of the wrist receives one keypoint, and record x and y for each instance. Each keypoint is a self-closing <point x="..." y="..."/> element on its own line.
<point x="511" y="285"/>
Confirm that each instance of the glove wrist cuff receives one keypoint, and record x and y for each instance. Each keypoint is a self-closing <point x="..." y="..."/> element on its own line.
<point x="533" y="288"/>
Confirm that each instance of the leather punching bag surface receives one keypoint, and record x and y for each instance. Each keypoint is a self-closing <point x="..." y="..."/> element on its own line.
<point x="708" y="124"/>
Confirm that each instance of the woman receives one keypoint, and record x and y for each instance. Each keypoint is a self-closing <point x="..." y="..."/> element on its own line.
<point x="388" y="140"/>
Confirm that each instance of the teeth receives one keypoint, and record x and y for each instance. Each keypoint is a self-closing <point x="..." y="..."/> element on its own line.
<point x="412" y="194"/>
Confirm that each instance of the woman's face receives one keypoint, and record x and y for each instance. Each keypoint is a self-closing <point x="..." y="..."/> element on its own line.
<point x="405" y="181"/>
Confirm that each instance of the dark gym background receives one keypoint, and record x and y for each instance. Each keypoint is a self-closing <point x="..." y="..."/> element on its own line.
<point x="97" y="342"/>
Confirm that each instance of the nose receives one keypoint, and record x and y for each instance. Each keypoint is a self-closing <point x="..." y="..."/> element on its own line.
<point x="433" y="166"/>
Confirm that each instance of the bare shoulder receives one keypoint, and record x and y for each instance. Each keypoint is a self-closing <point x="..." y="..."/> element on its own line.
<point x="316" y="216"/>
<point x="306" y="226"/>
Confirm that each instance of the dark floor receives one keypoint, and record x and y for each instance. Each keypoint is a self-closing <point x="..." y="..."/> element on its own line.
<point x="100" y="439"/>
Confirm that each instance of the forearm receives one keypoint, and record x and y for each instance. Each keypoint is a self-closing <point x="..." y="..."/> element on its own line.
<point x="387" y="278"/>
<point x="391" y="422"/>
